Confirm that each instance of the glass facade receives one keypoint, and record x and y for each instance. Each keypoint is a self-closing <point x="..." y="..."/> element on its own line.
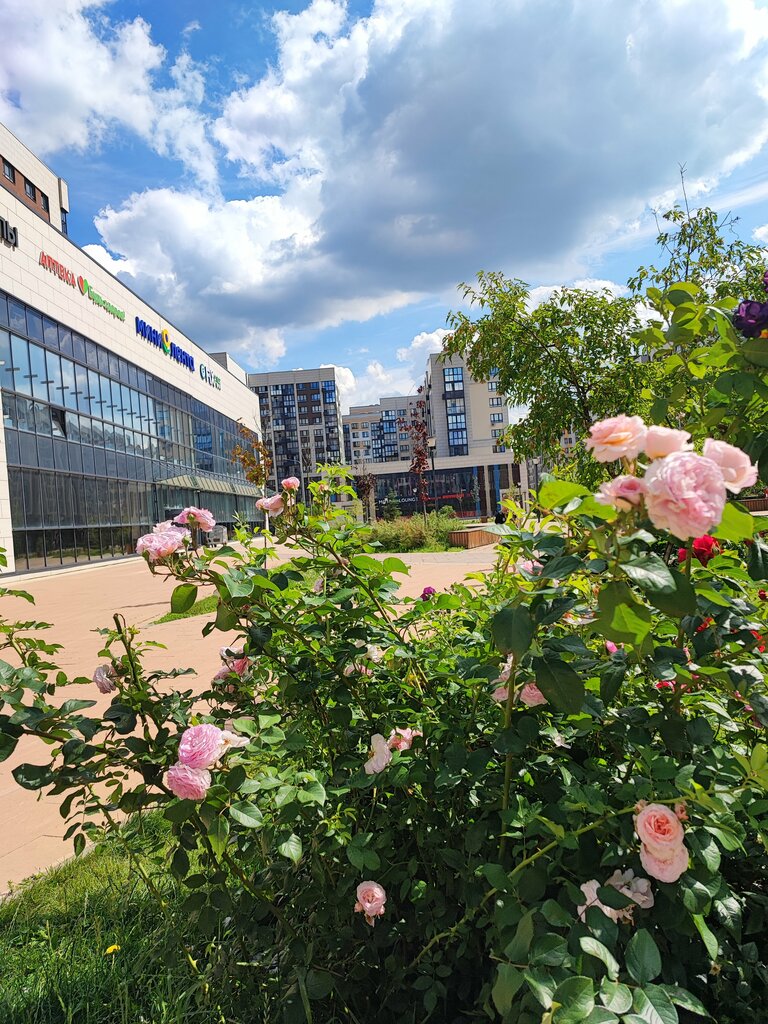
<point x="98" y="448"/>
<point x="463" y="490"/>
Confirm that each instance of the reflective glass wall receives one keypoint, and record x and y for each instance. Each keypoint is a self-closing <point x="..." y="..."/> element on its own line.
<point x="98" y="448"/>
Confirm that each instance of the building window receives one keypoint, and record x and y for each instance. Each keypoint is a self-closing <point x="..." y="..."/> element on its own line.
<point x="64" y="222"/>
<point x="497" y="432"/>
<point x="44" y="202"/>
<point x="8" y="171"/>
<point x="30" y="190"/>
<point x="497" y="417"/>
<point x="494" y="401"/>
<point x="493" y="385"/>
<point x="499" y="449"/>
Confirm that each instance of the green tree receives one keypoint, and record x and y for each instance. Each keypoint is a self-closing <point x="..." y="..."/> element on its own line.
<point x="392" y="508"/>
<point x="570" y="360"/>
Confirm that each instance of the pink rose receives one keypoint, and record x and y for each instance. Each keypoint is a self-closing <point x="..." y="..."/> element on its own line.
<point x="623" y="492"/>
<point x="681" y="811"/>
<point x="357" y="670"/>
<point x="187" y="783"/>
<point x="104" y="677"/>
<point x="200" y="517"/>
<point x="661" y="441"/>
<point x="239" y="666"/>
<point x="160" y="545"/>
<point x="224" y="673"/>
<point x="275" y="505"/>
<point x="616" y="438"/>
<point x="500" y="694"/>
<point x="162" y="527"/>
<point x="637" y="889"/>
<point x="380" y="755"/>
<point x="738" y="472"/>
<point x="527" y="565"/>
<point x="658" y="828"/>
<point x="667" y="870"/>
<point x="371" y="899"/>
<point x="231" y="741"/>
<point x="402" y="739"/>
<point x="291" y="483"/>
<point x="685" y="494"/>
<point x="611" y="647"/>
<point x="201" y="746"/>
<point x="227" y="654"/>
<point x="531" y="696"/>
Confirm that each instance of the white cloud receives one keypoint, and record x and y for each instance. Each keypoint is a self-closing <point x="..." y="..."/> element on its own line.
<point x="422" y="345"/>
<point x="544" y="292"/>
<point x="376" y="382"/>
<point x="761" y="234"/>
<point x="71" y="78"/>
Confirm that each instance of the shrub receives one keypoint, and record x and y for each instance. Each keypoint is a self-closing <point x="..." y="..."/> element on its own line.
<point x="413" y="532"/>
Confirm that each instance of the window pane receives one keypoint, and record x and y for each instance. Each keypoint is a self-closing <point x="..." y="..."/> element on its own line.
<point x="6" y="370"/>
<point x="33" y="509"/>
<point x="38" y="372"/>
<point x="53" y="374"/>
<point x="17" y="319"/>
<point x="20" y="358"/>
<point x="50" y="333"/>
<point x="34" y="325"/>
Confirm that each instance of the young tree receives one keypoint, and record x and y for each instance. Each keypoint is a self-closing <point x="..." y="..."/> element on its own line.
<point x="253" y="455"/>
<point x="365" y="484"/>
<point x="392" y="508"/>
<point x="419" y="432"/>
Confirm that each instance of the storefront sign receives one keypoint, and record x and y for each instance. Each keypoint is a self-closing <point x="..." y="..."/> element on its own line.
<point x="161" y="340"/>
<point x="8" y="234"/>
<point x="210" y="377"/>
<point x="68" y="277"/>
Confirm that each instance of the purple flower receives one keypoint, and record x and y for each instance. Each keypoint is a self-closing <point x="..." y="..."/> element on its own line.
<point x="427" y="592"/>
<point x="751" y="318"/>
<point x="765" y="280"/>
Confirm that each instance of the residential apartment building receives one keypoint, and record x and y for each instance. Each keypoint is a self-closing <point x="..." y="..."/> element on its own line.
<point x="301" y="421"/>
<point x="470" y="468"/>
<point x="377" y="433"/>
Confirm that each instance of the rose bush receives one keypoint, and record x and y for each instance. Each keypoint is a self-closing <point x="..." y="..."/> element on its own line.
<point x="540" y="797"/>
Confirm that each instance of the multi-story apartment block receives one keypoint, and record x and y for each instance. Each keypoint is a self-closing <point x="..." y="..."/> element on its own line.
<point x="470" y="468"/>
<point x="301" y="421"/>
<point x="376" y="433"/>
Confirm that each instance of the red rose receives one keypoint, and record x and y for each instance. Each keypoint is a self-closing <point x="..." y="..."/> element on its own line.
<point x="760" y="645"/>
<point x="704" y="548"/>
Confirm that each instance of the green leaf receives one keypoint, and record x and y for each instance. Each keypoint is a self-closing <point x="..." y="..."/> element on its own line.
<point x="556" y="915"/>
<point x="291" y="848"/>
<point x="613" y="898"/>
<point x="615" y="997"/>
<point x="218" y="833"/>
<point x="33" y="776"/>
<point x="319" y="984"/>
<point x="681" y="601"/>
<point x="512" y="630"/>
<point x="709" y="940"/>
<point x="682" y="997"/>
<point x="183" y="597"/>
<point x="7" y="745"/>
<point x="559" y="492"/>
<point x="226" y="619"/>
<point x="392" y="564"/>
<point x="736" y="524"/>
<point x="654" y="1005"/>
<point x="497" y="877"/>
<point x="622" y="619"/>
<point x="597" y="949"/>
<point x="560" y="684"/>
<point x="650" y="573"/>
<point x="517" y="949"/>
<point x="642" y="957"/>
<point x="549" y="951"/>
<point x="576" y="997"/>
<point x="601" y="1016"/>
<point x="757" y="560"/>
<point x="179" y="811"/>
<point x="755" y="351"/>
<point x="508" y="982"/>
<point x="246" y="814"/>
<point x="311" y="793"/>
<point x="561" y="567"/>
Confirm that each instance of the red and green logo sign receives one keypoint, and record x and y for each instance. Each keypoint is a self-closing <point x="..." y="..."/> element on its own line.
<point x="99" y="300"/>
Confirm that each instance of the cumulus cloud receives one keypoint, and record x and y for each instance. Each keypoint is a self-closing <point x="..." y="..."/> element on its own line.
<point x="761" y="234"/>
<point x="398" y="153"/>
<point x="422" y="345"/>
<point x="69" y="77"/>
<point x="377" y="381"/>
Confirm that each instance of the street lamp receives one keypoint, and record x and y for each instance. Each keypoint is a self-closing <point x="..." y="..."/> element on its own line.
<point x="431" y="445"/>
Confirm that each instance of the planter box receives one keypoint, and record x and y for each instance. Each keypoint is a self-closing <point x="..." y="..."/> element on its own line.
<point x="472" y="538"/>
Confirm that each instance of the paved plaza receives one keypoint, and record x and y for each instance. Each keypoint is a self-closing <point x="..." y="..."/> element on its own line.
<point x="81" y="599"/>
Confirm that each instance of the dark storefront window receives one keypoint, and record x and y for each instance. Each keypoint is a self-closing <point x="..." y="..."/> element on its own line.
<point x="97" y="448"/>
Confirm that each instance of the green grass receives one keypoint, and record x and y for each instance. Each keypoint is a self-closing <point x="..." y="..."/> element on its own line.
<point x="205" y="606"/>
<point x="55" y="931"/>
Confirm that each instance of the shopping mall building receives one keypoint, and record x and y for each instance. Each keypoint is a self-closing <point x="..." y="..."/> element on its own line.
<point x="111" y="415"/>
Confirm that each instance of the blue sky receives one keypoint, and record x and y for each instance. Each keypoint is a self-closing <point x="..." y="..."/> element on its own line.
<point x="307" y="182"/>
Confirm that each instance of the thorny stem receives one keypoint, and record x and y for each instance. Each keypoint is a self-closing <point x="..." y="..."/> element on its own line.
<point x="507" y="762"/>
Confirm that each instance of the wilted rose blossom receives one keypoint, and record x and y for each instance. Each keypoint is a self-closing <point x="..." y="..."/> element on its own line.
<point x="371" y="899"/>
<point x="201" y="746"/>
<point x="375" y="653"/>
<point x="738" y="472"/>
<point x="661" y="441"/>
<point x="590" y="895"/>
<point x="619" y="437"/>
<point x="685" y="494"/>
<point x="355" y="669"/>
<point x="199" y="517"/>
<point x="223" y="673"/>
<point x="527" y="565"/>
<point x="623" y="492"/>
<point x="104" y="677"/>
<point x="291" y="483"/>
<point x="231" y="741"/>
<point x="318" y="586"/>
<point x="402" y="739"/>
<point x="704" y="549"/>
<point x="160" y="545"/>
<point x="187" y="783"/>
<point x="274" y="505"/>
<point x="380" y="757"/>
<point x="531" y="696"/>
<point x="637" y="889"/>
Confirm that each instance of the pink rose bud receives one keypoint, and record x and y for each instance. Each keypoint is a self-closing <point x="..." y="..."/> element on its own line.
<point x="685" y="494"/>
<point x="531" y="696"/>
<point x="611" y="647"/>
<point x="199" y="517"/>
<point x="380" y="755"/>
<point x="274" y="505"/>
<point x="620" y="437"/>
<point x="104" y="677"/>
<point x="402" y="739"/>
<point x="661" y="441"/>
<point x="187" y="783"/>
<point x="371" y="900"/>
<point x="681" y="811"/>
<point x="623" y="492"/>
<point x="201" y="746"/>
<point x="738" y="472"/>
<point x="291" y="483"/>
